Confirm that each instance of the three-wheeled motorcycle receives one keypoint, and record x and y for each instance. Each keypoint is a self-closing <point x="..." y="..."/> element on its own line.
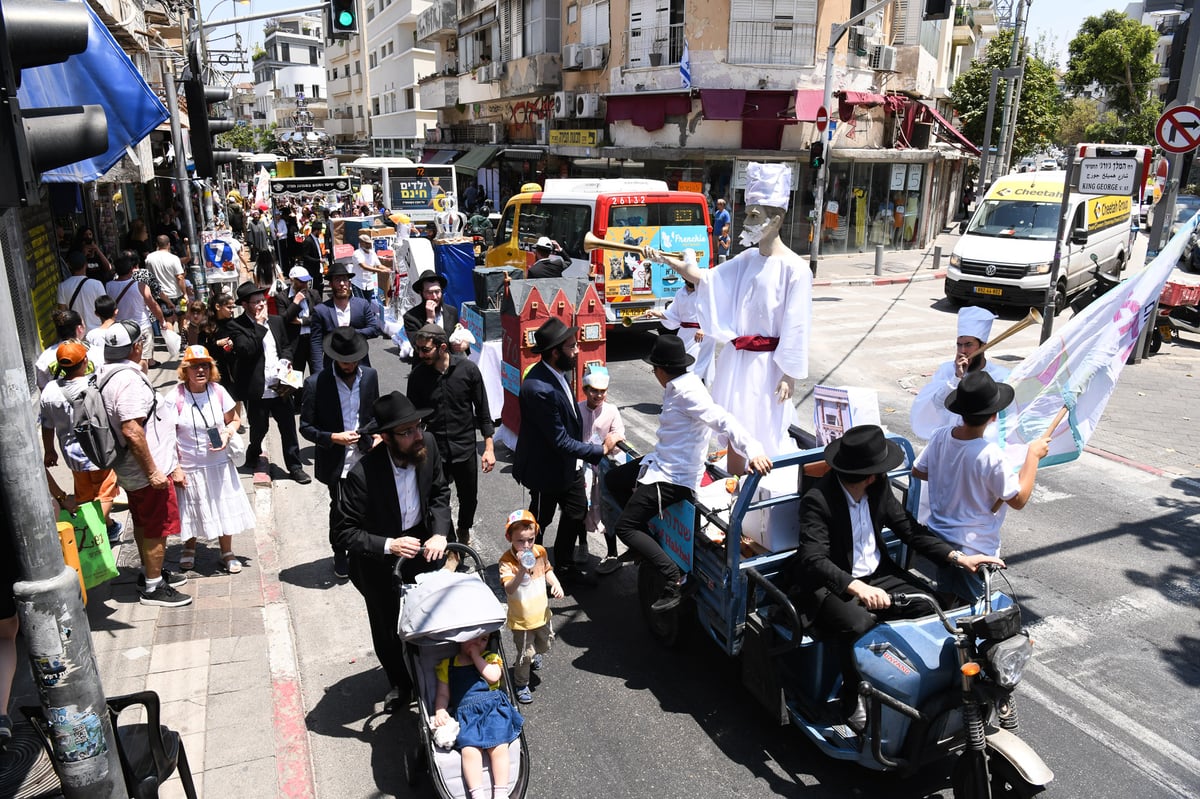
<point x="933" y="686"/>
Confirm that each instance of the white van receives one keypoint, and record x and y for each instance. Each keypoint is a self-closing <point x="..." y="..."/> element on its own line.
<point x="1005" y="255"/>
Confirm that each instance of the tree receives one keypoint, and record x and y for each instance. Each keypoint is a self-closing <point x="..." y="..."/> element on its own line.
<point x="1038" y="114"/>
<point x="1117" y="52"/>
<point x="1079" y="113"/>
<point x="1130" y="128"/>
<point x="241" y="138"/>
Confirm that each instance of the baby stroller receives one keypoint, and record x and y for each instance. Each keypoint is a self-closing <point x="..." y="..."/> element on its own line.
<point x="443" y="609"/>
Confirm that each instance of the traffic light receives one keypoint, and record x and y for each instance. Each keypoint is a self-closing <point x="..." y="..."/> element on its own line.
<point x="201" y="128"/>
<point x="32" y="140"/>
<point x="937" y="9"/>
<point x="816" y="154"/>
<point x="343" y="17"/>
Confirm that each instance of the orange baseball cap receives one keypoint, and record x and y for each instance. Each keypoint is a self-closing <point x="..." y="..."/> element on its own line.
<point x="520" y="517"/>
<point x="71" y="354"/>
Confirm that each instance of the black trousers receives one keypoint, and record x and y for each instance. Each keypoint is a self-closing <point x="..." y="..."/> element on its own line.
<point x="640" y="503"/>
<point x="302" y="357"/>
<point x="465" y="476"/>
<point x="572" y="501"/>
<point x="260" y="412"/>
<point x="372" y="576"/>
<point x="335" y="515"/>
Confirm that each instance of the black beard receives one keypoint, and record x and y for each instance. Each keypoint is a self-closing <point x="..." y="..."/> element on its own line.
<point x="405" y="459"/>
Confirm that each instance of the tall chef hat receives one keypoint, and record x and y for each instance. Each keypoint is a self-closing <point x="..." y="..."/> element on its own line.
<point x="768" y="184"/>
<point x="975" y="321"/>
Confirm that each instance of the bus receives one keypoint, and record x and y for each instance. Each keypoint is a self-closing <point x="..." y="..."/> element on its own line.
<point x="418" y="190"/>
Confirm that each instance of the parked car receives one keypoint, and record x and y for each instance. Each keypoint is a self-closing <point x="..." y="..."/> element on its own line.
<point x="1048" y="165"/>
<point x="1185" y="206"/>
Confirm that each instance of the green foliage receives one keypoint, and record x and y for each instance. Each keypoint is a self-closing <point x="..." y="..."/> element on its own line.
<point x="249" y="139"/>
<point x="1040" y="102"/>
<point x="1078" y="114"/>
<point x="1129" y="128"/>
<point x="1116" y="52"/>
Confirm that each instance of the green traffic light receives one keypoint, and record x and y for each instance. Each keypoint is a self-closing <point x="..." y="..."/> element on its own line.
<point x="345" y="19"/>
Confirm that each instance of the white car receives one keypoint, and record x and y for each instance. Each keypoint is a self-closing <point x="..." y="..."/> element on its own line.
<point x="1048" y="165"/>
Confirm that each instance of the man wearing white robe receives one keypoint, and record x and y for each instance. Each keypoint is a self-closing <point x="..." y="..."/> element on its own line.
<point x="759" y="303"/>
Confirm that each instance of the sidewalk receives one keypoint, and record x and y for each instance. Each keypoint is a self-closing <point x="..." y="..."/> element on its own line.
<point x="898" y="266"/>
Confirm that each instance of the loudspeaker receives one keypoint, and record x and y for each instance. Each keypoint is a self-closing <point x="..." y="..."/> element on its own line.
<point x="921" y="134"/>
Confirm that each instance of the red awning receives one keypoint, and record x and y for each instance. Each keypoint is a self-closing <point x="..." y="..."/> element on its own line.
<point x="764" y="118"/>
<point x="847" y="101"/>
<point x="723" y="104"/>
<point x="808" y="103"/>
<point x="954" y="132"/>
<point x="647" y="111"/>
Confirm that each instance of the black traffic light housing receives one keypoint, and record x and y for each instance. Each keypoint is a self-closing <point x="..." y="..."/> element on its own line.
<point x="201" y="128"/>
<point x="816" y="154"/>
<point x="32" y="140"/>
<point x="937" y="9"/>
<point x="343" y="18"/>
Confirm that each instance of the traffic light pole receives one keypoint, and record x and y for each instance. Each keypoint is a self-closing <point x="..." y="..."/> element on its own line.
<point x="196" y="264"/>
<point x="49" y="602"/>
<point x="826" y="136"/>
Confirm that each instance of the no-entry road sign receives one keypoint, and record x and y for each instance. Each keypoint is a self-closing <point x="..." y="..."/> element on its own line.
<point x="1178" y="129"/>
<point x="822" y="119"/>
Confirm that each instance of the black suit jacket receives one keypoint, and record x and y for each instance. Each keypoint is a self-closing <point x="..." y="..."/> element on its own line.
<point x="414" y="319"/>
<point x="324" y="321"/>
<point x="551" y="436"/>
<point x="826" y="552"/>
<point x="370" y="507"/>
<point x="321" y="417"/>
<point x="310" y="256"/>
<point x="247" y="354"/>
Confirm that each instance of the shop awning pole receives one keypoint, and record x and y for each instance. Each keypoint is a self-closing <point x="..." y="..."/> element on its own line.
<point x="196" y="265"/>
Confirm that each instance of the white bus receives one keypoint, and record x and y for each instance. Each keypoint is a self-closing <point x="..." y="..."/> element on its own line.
<point x="418" y="190"/>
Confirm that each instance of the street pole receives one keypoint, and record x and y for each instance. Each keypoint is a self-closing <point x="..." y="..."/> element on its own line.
<point x="838" y="30"/>
<point x="49" y="601"/>
<point x="1056" y="264"/>
<point x="196" y="264"/>
<point x="987" y="173"/>
<point x="1012" y="102"/>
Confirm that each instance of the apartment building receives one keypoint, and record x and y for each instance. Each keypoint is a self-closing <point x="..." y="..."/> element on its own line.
<point x="348" y="86"/>
<point x="395" y="60"/>
<point x="289" y="75"/>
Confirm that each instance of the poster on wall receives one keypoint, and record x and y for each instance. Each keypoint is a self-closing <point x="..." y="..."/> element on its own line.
<point x="898" y="173"/>
<point x="914" y="177"/>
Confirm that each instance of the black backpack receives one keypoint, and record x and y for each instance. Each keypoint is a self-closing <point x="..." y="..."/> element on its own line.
<point x="100" y="441"/>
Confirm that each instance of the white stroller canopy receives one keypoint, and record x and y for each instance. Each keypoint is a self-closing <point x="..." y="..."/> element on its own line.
<point x="449" y="606"/>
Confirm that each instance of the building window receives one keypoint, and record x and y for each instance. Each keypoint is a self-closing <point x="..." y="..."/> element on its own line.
<point x="374" y="61"/>
<point x="773" y="32"/>
<point x="370" y="13"/>
<point x="316" y="95"/>
<point x="656" y="31"/>
<point x="410" y="99"/>
<point x="594" y="28"/>
<point x="540" y="28"/>
<point x="357" y="68"/>
<point x="312" y="54"/>
<point x="285" y="51"/>
<point x="375" y="106"/>
<point x="360" y="112"/>
<point x="298" y="90"/>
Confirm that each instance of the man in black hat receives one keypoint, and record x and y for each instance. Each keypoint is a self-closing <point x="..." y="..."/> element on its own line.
<point x="337" y="404"/>
<point x="550" y="447"/>
<point x="343" y="310"/>
<point x="453" y="387"/>
<point x="260" y="342"/>
<point x="842" y="575"/>
<point x="429" y="286"/>
<point x="395" y="503"/>
<point x="672" y="472"/>
<point x="313" y="260"/>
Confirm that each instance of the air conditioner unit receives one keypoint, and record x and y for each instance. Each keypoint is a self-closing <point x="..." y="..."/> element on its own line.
<point x="587" y="105"/>
<point x="483" y="73"/>
<point x="496" y="131"/>
<point x="883" y="58"/>
<point x="564" y="105"/>
<point x="572" y="56"/>
<point x="593" y="57"/>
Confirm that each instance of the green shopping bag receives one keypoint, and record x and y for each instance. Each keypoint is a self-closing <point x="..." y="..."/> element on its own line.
<point x="91" y="534"/>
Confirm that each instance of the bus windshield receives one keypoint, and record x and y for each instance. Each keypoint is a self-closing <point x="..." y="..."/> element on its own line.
<point x="1013" y="219"/>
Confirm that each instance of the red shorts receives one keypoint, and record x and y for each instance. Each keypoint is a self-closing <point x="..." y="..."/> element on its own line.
<point x="155" y="511"/>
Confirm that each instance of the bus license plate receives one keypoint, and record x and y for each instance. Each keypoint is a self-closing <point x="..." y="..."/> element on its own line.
<point x="637" y="311"/>
<point x="994" y="292"/>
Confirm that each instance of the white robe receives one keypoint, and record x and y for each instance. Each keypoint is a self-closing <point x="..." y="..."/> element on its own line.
<point x="752" y="295"/>
<point x="683" y="309"/>
<point x="929" y="408"/>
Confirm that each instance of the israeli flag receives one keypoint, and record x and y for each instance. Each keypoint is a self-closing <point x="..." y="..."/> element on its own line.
<point x="685" y="67"/>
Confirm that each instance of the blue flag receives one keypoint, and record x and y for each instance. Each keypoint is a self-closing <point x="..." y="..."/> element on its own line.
<point x="685" y="67"/>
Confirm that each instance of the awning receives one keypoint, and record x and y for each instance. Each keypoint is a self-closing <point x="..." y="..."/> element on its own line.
<point x="847" y="101"/>
<point x="476" y="159"/>
<point x="722" y="104"/>
<point x="647" y="111"/>
<point x="438" y="156"/>
<point x="808" y="103"/>
<point x="764" y="118"/>
<point x="101" y="75"/>
<point x="954" y="132"/>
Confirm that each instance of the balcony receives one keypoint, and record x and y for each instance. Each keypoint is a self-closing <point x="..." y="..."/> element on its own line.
<point x="440" y="19"/>
<point x="964" y="26"/>
<point x="439" y="91"/>
<point x="348" y="127"/>
<point x="346" y="84"/>
<point x="653" y="46"/>
<point x="784" y="44"/>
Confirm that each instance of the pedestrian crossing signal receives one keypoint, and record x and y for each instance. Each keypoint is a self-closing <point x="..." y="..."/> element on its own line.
<point x="816" y="154"/>
<point x="343" y="17"/>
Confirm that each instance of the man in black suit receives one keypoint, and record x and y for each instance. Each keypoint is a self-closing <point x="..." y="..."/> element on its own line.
<point x="841" y="576"/>
<point x="429" y="286"/>
<point x="260" y="341"/>
<point x="550" y="447"/>
<point x="337" y="404"/>
<point x="343" y="310"/>
<point x="395" y="502"/>
<point x="313" y="260"/>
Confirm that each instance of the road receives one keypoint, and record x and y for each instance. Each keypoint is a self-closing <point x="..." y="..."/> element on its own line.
<point x="1103" y="561"/>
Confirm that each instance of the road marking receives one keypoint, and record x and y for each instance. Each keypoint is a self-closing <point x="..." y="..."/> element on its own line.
<point x="1057" y="632"/>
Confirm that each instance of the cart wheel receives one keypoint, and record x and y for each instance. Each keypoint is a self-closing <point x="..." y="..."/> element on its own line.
<point x="414" y="765"/>
<point x="1156" y="341"/>
<point x="669" y="629"/>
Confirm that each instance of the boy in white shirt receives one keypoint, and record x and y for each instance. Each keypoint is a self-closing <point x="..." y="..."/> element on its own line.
<point x="600" y="418"/>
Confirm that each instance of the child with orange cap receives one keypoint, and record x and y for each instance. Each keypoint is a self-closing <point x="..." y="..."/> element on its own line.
<point x="526" y="573"/>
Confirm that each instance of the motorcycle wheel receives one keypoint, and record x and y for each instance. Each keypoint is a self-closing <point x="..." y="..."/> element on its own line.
<point x="1156" y="341"/>
<point x="1060" y="298"/>
<point x="671" y="628"/>
<point x="1005" y="782"/>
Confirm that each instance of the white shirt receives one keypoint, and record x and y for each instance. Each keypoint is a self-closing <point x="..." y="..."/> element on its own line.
<point x="85" y="301"/>
<point x="929" y="408"/>
<point x="128" y="396"/>
<point x="132" y="304"/>
<point x="166" y="266"/>
<point x="365" y="279"/>
<point x="342" y="315"/>
<point x="406" y="492"/>
<point x="866" y="553"/>
<point x="49" y="359"/>
<point x="270" y="363"/>
<point x="688" y="415"/>
<point x="348" y="397"/>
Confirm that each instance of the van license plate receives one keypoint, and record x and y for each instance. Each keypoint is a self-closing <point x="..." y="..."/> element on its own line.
<point x="989" y="290"/>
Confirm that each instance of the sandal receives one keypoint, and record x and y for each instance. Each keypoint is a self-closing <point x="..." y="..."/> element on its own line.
<point x="187" y="561"/>
<point x="233" y="564"/>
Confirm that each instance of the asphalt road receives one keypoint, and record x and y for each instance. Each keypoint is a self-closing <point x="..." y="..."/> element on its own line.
<point x="1103" y="561"/>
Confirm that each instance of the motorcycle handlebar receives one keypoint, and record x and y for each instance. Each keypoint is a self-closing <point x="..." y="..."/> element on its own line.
<point x="904" y="600"/>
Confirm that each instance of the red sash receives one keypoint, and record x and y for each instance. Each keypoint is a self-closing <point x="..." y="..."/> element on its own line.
<point x="690" y="325"/>
<point x="756" y="343"/>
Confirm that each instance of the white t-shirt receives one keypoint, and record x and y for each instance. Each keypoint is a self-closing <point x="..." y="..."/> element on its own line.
<point x="85" y="301"/>
<point x="128" y="395"/>
<point x="166" y="266"/>
<point x="132" y="305"/>
<point x="195" y="413"/>
<point x="49" y="358"/>
<point x="965" y="480"/>
<point x="364" y="278"/>
<point x="58" y="414"/>
<point x="95" y="342"/>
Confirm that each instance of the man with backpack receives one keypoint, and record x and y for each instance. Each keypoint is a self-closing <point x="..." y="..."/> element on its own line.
<point x="79" y="292"/>
<point x="68" y="325"/>
<point x="143" y="453"/>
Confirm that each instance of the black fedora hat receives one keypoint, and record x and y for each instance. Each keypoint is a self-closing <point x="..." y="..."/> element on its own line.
<point x="391" y="411"/>
<point x="863" y="449"/>
<point x="552" y="333"/>
<point x="248" y="289"/>
<point x="339" y="269"/>
<point x="419" y="284"/>
<point x="669" y="352"/>
<point x="345" y="344"/>
<point x="979" y="395"/>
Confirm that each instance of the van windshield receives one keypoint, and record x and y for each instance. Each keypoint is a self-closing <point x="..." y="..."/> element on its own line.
<point x="1011" y="219"/>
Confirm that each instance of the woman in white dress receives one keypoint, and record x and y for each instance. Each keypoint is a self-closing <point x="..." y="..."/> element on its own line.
<point x="212" y="502"/>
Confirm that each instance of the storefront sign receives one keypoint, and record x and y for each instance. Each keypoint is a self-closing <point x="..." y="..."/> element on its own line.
<point x="739" y="174"/>
<point x="575" y="138"/>
<point x="285" y="187"/>
<point x="914" y="177"/>
<point x="898" y="173"/>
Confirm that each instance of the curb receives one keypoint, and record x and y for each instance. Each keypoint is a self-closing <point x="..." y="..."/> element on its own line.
<point x="293" y="758"/>
<point x="881" y="280"/>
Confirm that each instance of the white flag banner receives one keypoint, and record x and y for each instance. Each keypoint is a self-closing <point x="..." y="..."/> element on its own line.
<point x="1078" y="366"/>
<point x="685" y="67"/>
<point x="262" y="189"/>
